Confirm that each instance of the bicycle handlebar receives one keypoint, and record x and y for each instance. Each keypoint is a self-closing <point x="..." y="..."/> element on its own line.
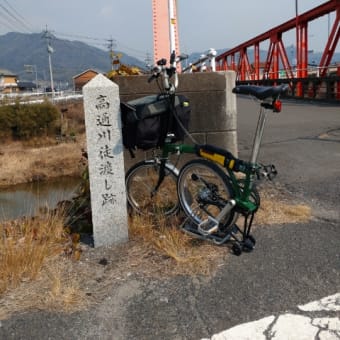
<point x="167" y="72"/>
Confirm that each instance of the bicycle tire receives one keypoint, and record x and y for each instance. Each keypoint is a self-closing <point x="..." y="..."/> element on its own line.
<point x="141" y="179"/>
<point x="203" y="190"/>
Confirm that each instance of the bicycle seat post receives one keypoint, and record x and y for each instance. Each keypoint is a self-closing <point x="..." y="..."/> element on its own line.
<point x="258" y="135"/>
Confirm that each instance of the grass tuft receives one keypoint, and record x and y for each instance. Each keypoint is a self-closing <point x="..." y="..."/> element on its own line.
<point x="65" y="292"/>
<point x="276" y="210"/>
<point x="36" y="265"/>
<point x="25" y="244"/>
<point x="189" y="255"/>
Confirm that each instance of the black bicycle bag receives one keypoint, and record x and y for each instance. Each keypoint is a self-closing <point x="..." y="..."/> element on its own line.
<point x="146" y="121"/>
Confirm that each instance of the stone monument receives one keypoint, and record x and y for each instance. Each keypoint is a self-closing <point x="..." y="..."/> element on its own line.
<point x="105" y="161"/>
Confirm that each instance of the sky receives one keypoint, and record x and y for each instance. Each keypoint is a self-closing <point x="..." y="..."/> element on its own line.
<point x="219" y="24"/>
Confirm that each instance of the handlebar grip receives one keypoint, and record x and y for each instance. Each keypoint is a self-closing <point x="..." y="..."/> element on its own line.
<point x="172" y="57"/>
<point x="161" y="62"/>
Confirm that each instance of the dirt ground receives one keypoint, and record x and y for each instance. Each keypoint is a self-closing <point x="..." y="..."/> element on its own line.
<point x="71" y="283"/>
<point x="22" y="163"/>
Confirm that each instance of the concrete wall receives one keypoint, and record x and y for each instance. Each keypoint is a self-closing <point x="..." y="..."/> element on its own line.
<point x="213" y="106"/>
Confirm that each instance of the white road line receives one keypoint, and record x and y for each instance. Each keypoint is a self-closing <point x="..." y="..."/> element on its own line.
<point x="289" y="326"/>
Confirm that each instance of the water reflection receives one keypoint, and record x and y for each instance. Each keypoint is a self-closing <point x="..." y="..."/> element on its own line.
<point x="27" y="199"/>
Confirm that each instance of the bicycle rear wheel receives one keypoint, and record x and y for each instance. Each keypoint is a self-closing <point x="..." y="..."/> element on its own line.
<point x="141" y="180"/>
<point x="203" y="190"/>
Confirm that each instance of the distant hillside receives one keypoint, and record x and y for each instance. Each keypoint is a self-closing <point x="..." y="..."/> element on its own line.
<point x="69" y="58"/>
<point x="73" y="57"/>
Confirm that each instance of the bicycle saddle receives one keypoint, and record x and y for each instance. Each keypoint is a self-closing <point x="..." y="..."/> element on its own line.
<point x="261" y="92"/>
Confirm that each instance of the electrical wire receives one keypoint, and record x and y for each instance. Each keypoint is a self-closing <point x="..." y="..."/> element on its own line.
<point x="8" y="25"/>
<point x="19" y="15"/>
<point x="135" y="52"/>
<point x="13" y="19"/>
<point x="105" y="43"/>
<point x="78" y="36"/>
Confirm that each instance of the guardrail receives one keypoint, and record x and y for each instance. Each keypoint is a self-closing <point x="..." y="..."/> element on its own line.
<point x="39" y="97"/>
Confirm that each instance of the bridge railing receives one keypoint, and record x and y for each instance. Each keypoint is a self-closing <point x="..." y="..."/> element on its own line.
<point x="200" y="65"/>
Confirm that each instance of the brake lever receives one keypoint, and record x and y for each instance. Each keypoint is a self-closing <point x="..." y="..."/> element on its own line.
<point x="182" y="57"/>
<point x="155" y="73"/>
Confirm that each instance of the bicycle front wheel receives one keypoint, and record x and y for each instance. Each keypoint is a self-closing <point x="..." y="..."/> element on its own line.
<point x="203" y="190"/>
<point x="141" y="181"/>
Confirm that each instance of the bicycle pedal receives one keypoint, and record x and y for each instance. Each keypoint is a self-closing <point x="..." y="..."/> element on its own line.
<point x="208" y="226"/>
<point x="268" y="172"/>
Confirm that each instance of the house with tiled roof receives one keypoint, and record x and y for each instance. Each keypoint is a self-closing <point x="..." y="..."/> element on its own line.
<point x="83" y="78"/>
<point x="8" y="81"/>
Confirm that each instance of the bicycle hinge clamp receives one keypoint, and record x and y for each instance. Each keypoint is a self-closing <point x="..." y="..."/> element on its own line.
<point x="210" y="225"/>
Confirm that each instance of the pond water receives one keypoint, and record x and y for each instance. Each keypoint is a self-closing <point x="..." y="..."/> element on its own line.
<point x="27" y="199"/>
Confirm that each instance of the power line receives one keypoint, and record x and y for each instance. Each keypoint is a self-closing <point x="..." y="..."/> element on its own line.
<point x="140" y="53"/>
<point x="84" y="37"/>
<point x="18" y="14"/>
<point x="8" y="21"/>
<point x="14" y="18"/>
<point x="8" y="25"/>
<point x="103" y="43"/>
<point x="78" y="36"/>
<point x="10" y="17"/>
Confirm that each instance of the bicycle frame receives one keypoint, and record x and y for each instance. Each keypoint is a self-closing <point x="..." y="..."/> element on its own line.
<point x="242" y="192"/>
<point x="242" y="196"/>
<point x="238" y="194"/>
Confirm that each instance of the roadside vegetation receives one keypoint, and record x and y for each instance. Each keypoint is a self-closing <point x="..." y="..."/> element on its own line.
<point x="44" y="265"/>
<point x="41" y="123"/>
<point x="40" y="141"/>
<point x="27" y="121"/>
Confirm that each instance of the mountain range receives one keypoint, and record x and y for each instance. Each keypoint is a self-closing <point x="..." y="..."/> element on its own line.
<point x="68" y="59"/>
<point x="73" y="57"/>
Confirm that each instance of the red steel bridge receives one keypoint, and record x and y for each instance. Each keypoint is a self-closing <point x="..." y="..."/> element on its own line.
<point x="324" y="83"/>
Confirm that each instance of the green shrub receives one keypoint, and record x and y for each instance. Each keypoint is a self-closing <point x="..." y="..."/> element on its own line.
<point x="24" y="121"/>
<point x="6" y="121"/>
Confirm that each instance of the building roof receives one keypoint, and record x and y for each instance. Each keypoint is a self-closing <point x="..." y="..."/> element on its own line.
<point x="26" y="85"/>
<point x="4" y="72"/>
<point x="88" y="70"/>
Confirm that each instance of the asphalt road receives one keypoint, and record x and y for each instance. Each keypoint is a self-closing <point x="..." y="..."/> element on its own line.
<point x="292" y="264"/>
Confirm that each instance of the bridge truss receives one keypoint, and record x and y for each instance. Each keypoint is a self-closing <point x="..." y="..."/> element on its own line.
<point x="277" y="60"/>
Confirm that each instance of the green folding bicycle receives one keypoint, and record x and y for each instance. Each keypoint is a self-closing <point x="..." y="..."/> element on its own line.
<point x="212" y="190"/>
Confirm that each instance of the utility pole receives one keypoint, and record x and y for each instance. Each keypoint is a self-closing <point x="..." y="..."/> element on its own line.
<point x="111" y="45"/>
<point x="48" y="36"/>
<point x="148" y="61"/>
<point x="31" y="69"/>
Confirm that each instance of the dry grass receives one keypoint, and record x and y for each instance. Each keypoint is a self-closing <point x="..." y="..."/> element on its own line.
<point x="56" y="288"/>
<point x="24" y="246"/>
<point x="34" y="270"/>
<point x="188" y="255"/>
<point x="20" y="163"/>
<point x="277" y="209"/>
<point x="194" y="256"/>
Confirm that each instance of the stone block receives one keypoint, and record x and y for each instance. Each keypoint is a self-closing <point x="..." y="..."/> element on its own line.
<point x="105" y="161"/>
